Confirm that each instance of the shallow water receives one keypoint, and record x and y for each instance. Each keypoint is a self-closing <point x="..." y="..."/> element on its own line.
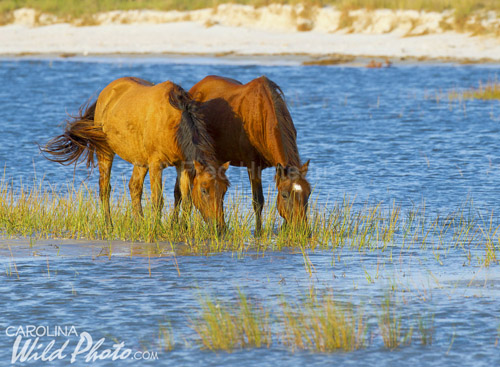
<point x="126" y="299"/>
<point x="377" y="135"/>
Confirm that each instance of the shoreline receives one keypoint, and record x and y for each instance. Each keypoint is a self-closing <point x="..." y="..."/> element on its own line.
<point x="289" y="59"/>
<point x="236" y="33"/>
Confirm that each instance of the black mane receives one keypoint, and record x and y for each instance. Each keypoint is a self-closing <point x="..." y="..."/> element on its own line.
<point x="192" y="136"/>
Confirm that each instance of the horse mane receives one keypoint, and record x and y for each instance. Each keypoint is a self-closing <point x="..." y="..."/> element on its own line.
<point x="192" y="136"/>
<point x="285" y="123"/>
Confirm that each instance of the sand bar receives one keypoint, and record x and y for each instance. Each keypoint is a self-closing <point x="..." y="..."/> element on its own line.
<point x="219" y="34"/>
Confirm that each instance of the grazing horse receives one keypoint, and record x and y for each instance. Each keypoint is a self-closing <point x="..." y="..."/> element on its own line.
<point x="251" y="127"/>
<point x="152" y="127"/>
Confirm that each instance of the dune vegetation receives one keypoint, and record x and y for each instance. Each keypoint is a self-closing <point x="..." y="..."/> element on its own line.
<point x="77" y="8"/>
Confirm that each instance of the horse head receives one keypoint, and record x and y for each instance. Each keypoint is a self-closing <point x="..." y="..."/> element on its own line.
<point x="293" y="193"/>
<point x="209" y="187"/>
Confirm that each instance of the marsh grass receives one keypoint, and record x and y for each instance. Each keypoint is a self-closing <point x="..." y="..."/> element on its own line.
<point x="321" y="324"/>
<point x="426" y="329"/>
<point x="498" y="336"/>
<point x="486" y="91"/>
<point x="316" y="323"/>
<point x="166" y="337"/>
<point x="36" y="212"/>
<point x="12" y="266"/>
<point x="226" y="327"/>
<point x="390" y="323"/>
<point x="490" y="238"/>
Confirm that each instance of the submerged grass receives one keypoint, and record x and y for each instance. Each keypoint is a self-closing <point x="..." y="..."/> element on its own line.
<point x="36" y="212"/>
<point x="426" y="330"/>
<point x="225" y="327"/>
<point x="487" y="91"/>
<point x="166" y="337"/>
<point x="316" y="323"/>
<point x="390" y="324"/>
<point x="323" y="325"/>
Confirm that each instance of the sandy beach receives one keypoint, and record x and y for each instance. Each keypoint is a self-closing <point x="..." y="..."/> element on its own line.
<point x="237" y="30"/>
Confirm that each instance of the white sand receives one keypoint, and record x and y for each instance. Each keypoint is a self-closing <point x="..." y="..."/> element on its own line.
<point x="246" y="31"/>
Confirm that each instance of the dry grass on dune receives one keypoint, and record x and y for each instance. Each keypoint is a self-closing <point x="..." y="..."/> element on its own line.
<point x="78" y="8"/>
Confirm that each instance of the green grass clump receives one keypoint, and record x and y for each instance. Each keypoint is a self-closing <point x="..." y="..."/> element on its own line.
<point x="323" y="325"/>
<point x="77" y="8"/>
<point x="487" y="91"/>
<point x="461" y="7"/>
<point x="75" y="213"/>
<point x="225" y="327"/>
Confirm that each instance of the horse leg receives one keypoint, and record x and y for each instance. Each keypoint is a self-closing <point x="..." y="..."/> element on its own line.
<point x="254" y="174"/>
<point x="135" y="186"/>
<point x="105" y="164"/>
<point x="177" y="194"/>
<point x="155" y="171"/>
<point x="185" y="193"/>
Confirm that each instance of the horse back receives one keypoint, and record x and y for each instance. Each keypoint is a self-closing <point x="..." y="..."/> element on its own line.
<point x="139" y="122"/>
<point x="266" y="121"/>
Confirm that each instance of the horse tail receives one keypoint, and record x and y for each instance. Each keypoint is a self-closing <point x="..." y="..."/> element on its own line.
<point x="192" y="135"/>
<point x="81" y="140"/>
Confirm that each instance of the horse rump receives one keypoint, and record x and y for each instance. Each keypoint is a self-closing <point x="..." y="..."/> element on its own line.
<point x="80" y="141"/>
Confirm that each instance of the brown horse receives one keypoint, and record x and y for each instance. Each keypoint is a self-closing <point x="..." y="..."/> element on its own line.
<point x="152" y="127"/>
<point x="251" y="127"/>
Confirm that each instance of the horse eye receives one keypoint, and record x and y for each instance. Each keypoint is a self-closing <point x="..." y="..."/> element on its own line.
<point x="284" y="195"/>
<point x="204" y="191"/>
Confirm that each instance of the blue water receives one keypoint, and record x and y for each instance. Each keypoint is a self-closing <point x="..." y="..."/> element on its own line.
<point x="125" y="299"/>
<point x="376" y="135"/>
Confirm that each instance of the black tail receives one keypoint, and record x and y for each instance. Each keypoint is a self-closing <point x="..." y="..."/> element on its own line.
<point x="80" y="141"/>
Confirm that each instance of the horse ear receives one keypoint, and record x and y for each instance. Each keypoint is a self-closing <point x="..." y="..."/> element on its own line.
<point x="225" y="166"/>
<point x="304" y="168"/>
<point x="280" y="171"/>
<point x="198" y="167"/>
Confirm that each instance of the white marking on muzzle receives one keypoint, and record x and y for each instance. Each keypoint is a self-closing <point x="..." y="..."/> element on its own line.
<point x="297" y="187"/>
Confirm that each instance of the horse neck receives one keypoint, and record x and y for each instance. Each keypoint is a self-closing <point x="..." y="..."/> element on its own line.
<point x="286" y="152"/>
